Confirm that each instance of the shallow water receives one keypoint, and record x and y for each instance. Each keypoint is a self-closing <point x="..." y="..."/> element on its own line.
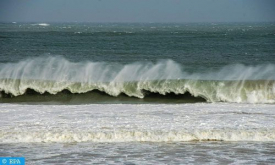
<point x="143" y="153"/>
<point x="218" y="133"/>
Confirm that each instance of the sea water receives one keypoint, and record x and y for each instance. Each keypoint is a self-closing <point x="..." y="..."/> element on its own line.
<point x="137" y="93"/>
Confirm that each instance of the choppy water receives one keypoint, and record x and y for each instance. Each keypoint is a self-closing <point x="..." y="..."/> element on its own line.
<point x="144" y="153"/>
<point x="219" y="77"/>
<point x="139" y="134"/>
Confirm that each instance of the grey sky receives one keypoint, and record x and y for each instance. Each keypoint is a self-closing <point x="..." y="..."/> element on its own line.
<point x="137" y="10"/>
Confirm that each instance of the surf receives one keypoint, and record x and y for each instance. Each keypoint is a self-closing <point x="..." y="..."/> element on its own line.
<point x="54" y="74"/>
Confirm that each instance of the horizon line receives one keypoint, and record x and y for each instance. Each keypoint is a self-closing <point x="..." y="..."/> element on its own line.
<point x="157" y="22"/>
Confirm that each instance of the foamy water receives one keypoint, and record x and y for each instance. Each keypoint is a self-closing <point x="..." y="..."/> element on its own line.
<point x="41" y="24"/>
<point x="143" y="153"/>
<point x="185" y="133"/>
<point x="137" y="123"/>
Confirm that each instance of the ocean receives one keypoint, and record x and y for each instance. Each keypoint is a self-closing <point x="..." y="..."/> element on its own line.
<point x="138" y="93"/>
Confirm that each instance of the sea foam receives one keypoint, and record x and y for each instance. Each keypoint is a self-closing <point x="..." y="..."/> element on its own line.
<point x="136" y="123"/>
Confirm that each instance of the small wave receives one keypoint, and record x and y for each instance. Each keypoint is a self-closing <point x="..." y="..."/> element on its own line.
<point x="41" y="24"/>
<point x="44" y="24"/>
<point x="67" y="136"/>
<point x="236" y="83"/>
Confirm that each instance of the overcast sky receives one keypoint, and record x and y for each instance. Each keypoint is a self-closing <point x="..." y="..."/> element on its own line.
<point x="137" y="10"/>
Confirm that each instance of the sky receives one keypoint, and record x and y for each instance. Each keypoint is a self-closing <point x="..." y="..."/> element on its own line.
<point x="137" y="10"/>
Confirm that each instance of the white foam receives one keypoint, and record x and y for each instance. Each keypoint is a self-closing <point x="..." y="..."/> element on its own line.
<point x="69" y="136"/>
<point x="41" y="24"/>
<point x="44" y="24"/>
<point x="136" y="123"/>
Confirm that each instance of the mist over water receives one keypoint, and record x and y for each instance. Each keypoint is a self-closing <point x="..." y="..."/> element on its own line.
<point x="57" y="68"/>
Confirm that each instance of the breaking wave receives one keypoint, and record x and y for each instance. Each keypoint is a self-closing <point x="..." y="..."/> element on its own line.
<point x="234" y="83"/>
<point x="41" y="24"/>
<point x="137" y="136"/>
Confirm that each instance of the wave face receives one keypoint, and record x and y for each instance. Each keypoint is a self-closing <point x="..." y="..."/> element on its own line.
<point x="234" y="83"/>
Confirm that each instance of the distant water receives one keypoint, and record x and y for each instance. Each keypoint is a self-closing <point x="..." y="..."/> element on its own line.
<point x="55" y="78"/>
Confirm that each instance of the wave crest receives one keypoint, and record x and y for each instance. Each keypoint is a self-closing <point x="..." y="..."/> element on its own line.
<point x="137" y="136"/>
<point x="235" y="83"/>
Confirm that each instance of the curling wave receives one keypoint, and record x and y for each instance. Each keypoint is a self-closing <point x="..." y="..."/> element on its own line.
<point x="234" y="83"/>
